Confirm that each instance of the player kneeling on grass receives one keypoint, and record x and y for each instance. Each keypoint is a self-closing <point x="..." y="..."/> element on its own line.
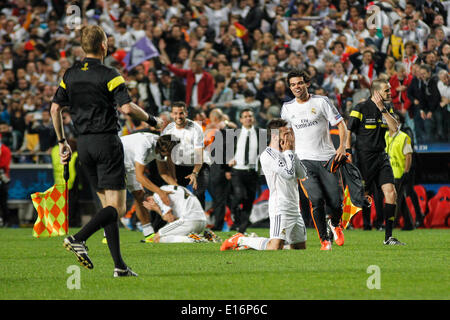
<point x="282" y="169"/>
<point x="185" y="216"/>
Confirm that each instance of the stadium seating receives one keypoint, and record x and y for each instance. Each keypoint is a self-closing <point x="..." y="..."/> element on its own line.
<point x="439" y="209"/>
<point x="422" y="196"/>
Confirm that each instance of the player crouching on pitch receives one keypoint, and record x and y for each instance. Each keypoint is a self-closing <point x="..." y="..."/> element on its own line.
<point x="282" y="168"/>
<point x="185" y="216"/>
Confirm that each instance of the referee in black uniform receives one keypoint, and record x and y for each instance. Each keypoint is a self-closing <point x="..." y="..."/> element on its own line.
<point x="369" y="120"/>
<point x="92" y="91"/>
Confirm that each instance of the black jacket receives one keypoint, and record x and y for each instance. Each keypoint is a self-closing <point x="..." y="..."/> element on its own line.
<point x="426" y="93"/>
<point x="351" y="178"/>
<point x="230" y="138"/>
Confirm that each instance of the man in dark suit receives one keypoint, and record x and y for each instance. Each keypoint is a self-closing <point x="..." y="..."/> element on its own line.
<point x="172" y="88"/>
<point x="155" y="95"/>
<point x="219" y="186"/>
<point x="243" y="174"/>
<point x="424" y="94"/>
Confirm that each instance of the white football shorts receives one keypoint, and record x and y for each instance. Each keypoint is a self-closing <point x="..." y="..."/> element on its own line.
<point x="132" y="183"/>
<point x="290" y="228"/>
<point x="182" y="227"/>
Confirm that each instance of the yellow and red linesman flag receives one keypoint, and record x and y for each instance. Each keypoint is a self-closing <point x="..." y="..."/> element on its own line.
<point x="349" y="209"/>
<point x="52" y="209"/>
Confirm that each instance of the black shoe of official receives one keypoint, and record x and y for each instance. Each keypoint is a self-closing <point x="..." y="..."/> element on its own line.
<point x="124" y="273"/>
<point x="419" y="222"/>
<point x="80" y="250"/>
<point x="393" y="242"/>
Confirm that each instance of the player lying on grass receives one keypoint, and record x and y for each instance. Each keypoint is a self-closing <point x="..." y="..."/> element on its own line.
<point x="185" y="216"/>
<point x="281" y="168"/>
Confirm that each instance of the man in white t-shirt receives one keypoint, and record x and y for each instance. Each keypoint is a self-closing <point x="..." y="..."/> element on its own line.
<point x="140" y="149"/>
<point x="282" y="169"/>
<point x="189" y="157"/>
<point x="310" y="117"/>
<point x="184" y="214"/>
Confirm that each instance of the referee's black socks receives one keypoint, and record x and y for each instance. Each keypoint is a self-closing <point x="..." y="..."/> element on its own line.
<point x="100" y="220"/>
<point x="106" y="218"/>
<point x="389" y="216"/>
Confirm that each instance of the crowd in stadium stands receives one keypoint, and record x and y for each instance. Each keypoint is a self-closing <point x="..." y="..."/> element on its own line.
<point x="244" y="49"/>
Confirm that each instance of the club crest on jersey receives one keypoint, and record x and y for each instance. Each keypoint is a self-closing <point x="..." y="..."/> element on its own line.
<point x="313" y="111"/>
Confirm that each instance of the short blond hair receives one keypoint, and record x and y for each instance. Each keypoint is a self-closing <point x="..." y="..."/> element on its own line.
<point x="92" y="37"/>
<point x="376" y="84"/>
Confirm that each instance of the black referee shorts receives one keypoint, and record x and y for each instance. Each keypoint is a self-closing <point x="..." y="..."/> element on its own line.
<point x="102" y="156"/>
<point x="375" y="167"/>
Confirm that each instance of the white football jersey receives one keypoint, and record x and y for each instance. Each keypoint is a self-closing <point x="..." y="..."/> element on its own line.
<point x="310" y="122"/>
<point x="191" y="137"/>
<point x="139" y="147"/>
<point x="183" y="203"/>
<point x="281" y="170"/>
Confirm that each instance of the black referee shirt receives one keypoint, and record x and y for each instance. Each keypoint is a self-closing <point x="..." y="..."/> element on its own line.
<point x="92" y="91"/>
<point x="367" y="122"/>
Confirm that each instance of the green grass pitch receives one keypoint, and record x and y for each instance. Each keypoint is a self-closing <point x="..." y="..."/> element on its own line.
<point x="33" y="268"/>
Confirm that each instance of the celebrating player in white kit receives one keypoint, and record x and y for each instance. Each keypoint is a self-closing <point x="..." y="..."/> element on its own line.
<point x="140" y="149"/>
<point x="185" y="217"/>
<point x="310" y="117"/>
<point x="282" y="169"/>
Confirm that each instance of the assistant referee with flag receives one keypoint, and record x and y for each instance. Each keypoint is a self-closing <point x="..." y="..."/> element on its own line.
<point x="92" y="91"/>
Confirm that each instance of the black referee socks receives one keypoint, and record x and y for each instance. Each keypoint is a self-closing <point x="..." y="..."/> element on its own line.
<point x="112" y="236"/>
<point x="107" y="219"/>
<point x="389" y="216"/>
<point x="103" y="218"/>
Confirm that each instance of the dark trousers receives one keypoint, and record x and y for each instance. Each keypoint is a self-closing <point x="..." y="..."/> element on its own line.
<point x="305" y="208"/>
<point x="408" y="191"/>
<point x="323" y="187"/>
<point x="404" y="190"/>
<point x="74" y="210"/>
<point x="219" y="188"/>
<point x="244" y="184"/>
<point x="202" y="180"/>
<point x="4" y="203"/>
<point x="424" y="128"/>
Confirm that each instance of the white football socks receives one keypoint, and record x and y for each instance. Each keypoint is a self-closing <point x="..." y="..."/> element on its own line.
<point x="256" y="243"/>
<point x="147" y="229"/>
<point x="175" y="239"/>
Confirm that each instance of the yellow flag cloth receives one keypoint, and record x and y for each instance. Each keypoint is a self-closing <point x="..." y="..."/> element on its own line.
<point x="349" y="209"/>
<point x="51" y="207"/>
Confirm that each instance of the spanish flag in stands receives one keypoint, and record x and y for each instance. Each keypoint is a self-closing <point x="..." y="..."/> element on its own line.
<point x="241" y="31"/>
